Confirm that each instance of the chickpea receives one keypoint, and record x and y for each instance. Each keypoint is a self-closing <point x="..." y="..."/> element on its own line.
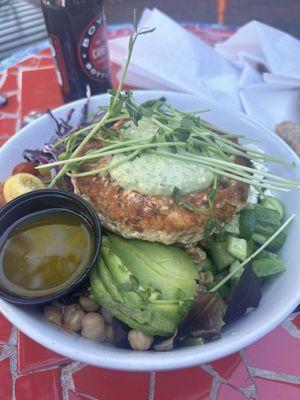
<point x="93" y="327"/>
<point x="107" y="316"/>
<point x="72" y="316"/>
<point x="53" y="314"/>
<point x="88" y="304"/>
<point x="109" y="333"/>
<point x="139" y="341"/>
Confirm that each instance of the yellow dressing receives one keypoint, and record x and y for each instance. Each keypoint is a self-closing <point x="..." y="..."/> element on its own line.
<point x="45" y="253"/>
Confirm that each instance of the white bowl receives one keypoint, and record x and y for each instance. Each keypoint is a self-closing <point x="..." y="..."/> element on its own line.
<point x="281" y="294"/>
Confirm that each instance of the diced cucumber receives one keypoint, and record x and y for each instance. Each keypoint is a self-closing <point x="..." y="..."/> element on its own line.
<point x="265" y="254"/>
<point x="267" y="267"/>
<point x="266" y="229"/>
<point x="237" y="247"/>
<point x="233" y="226"/>
<point x="250" y="247"/>
<point x="276" y="243"/>
<point x="259" y="238"/>
<point x="273" y="204"/>
<point x="261" y="220"/>
<point x="267" y="216"/>
<point x="219" y="254"/>
<point x="235" y="278"/>
<point x="267" y="221"/>
<point x="247" y="223"/>
<point x="223" y="290"/>
<point x="267" y="264"/>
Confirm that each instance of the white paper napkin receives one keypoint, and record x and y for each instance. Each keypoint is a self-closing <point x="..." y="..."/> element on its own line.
<point x="281" y="81"/>
<point x="257" y="70"/>
<point x="270" y="64"/>
<point x="175" y="59"/>
<point x="271" y="106"/>
<point x="249" y="76"/>
<point x="279" y="51"/>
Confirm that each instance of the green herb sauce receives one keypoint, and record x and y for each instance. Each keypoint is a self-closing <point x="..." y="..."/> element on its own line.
<point x="152" y="174"/>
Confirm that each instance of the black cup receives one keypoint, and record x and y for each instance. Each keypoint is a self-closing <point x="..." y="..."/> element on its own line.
<point x="41" y="201"/>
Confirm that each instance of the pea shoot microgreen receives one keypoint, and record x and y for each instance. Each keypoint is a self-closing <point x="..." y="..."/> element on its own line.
<point x="212" y="195"/>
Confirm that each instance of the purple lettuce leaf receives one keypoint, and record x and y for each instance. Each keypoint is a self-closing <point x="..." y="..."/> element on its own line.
<point x="246" y="294"/>
<point x="204" y="319"/>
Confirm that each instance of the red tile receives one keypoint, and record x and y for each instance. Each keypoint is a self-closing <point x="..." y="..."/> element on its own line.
<point x="189" y="384"/>
<point x="268" y="389"/>
<point x="12" y="105"/>
<point x="39" y="90"/>
<point x="233" y="370"/>
<point x="106" y="384"/>
<point x="33" y="356"/>
<point x="4" y="138"/>
<point x="46" y="52"/>
<point x="30" y="62"/>
<point x="74" y="396"/>
<point x="277" y="351"/>
<point x="12" y="70"/>
<point x="5" y="379"/>
<point x="10" y="84"/>
<point x="43" y="385"/>
<point x="46" y="62"/>
<point x="5" y="328"/>
<point x="296" y="321"/>
<point x="7" y="126"/>
<point x="226" y="392"/>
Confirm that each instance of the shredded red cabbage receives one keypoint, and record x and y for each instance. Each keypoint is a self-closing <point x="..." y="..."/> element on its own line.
<point x="64" y="127"/>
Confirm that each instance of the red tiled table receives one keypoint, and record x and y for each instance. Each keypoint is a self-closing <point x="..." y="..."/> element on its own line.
<point x="266" y="370"/>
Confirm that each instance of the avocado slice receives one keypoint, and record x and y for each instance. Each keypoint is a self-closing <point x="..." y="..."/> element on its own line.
<point x="122" y="279"/>
<point x="106" y="280"/>
<point x="140" y="312"/>
<point x="148" y="286"/>
<point x="156" y="324"/>
<point x="151" y="269"/>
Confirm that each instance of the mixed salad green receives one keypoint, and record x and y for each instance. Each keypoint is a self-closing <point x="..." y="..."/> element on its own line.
<point x="248" y="230"/>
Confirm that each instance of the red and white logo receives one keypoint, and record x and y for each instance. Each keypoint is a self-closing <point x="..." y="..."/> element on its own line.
<point x="93" y="50"/>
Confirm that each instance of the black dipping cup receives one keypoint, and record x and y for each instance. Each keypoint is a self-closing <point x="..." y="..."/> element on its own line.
<point x="41" y="201"/>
